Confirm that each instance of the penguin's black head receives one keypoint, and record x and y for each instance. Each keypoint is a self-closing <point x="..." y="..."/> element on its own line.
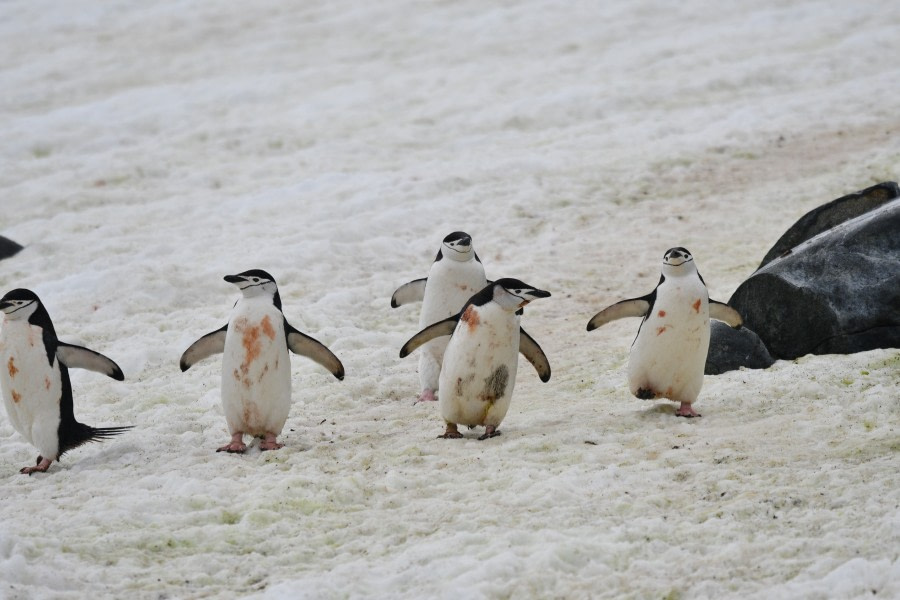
<point x="253" y="276"/>
<point x="460" y="237"/>
<point x="676" y="257"/>
<point x="19" y="303"/>
<point x="513" y="294"/>
<point x="458" y="246"/>
<point x="255" y="282"/>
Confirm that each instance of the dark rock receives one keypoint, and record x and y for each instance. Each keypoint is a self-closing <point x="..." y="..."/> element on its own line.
<point x="8" y="247"/>
<point x="836" y="292"/>
<point x="828" y="215"/>
<point x="730" y="349"/>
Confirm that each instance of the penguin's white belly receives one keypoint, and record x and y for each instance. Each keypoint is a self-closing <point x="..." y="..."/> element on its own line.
<point x="31" y="386"/>
<point x="669" y="354"/>
<point x="479" y="370"/>
<point x="450" y="285"/>
<point x="256" y="373"/>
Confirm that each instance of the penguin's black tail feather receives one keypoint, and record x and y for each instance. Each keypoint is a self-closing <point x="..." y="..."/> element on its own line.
<point x="76" y="434"/>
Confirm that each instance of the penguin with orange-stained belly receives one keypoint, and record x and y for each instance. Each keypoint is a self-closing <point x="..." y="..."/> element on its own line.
<point x="256" y="369"/>
<point x="481" y="361"/>
<point x="668" y="355"/>
<point x="35" y="384"/>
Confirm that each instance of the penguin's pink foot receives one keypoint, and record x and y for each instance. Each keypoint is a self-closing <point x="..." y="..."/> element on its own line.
<point x="489" y="432"/>
<point x="451" y="433"/>
<point x="41" y="466"/>
<point x="427" y="395"/>
<point x="236" y="446"/>
<point x="685" y="410"/>
<point x="270" y="443"/>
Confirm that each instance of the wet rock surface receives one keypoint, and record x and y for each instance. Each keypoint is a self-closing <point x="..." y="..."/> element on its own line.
<point x="838" y="290"/>
<point x="730" y="349"/>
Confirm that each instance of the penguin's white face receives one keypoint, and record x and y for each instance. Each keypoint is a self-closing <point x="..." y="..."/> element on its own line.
<point x="17" y="310"/>
<point x="512" y="294"/>
<point x="253" y="284"/>
<point x="458" y="246"/>
<point x="678" y="261"/>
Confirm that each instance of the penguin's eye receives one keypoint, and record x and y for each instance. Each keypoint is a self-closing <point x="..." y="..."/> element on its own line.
<point x="518" y="291"/>
<point x="256" y="280"/>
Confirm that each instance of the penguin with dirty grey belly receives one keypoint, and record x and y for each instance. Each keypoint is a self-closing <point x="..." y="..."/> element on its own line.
<point x="37" y="391"/>
<point x="668" y="355"/>
<point x="455" y="275"/>
<point x="256" y="370"/>
<point x="478" y="373"/>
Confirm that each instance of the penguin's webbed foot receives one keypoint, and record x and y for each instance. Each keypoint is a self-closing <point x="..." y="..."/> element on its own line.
<point x="427" y="395"/>
<point x="233" y="448"/>
<point x="686" y="411"/>
<point x="451" y="433"/>
<point x="489" y="432"/>
<point x="270" y="443"/>
<point x="236" y="445"/>
<point x="40" y="466"/>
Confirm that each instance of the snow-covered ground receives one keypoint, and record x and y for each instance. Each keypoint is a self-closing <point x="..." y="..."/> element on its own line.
<point x="150" y="148"/>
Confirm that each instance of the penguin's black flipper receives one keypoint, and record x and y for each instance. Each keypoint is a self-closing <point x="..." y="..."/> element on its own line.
<point x="302" y="344"/>
<point x="78" y="357"/>
<point x="722" y="312"/>
<point x="445" y="327"/>
<point x="211" y="343"/>
<point x="414" y="291"/>
<point x="531" y="351"/>
<point x="634" y="307"/>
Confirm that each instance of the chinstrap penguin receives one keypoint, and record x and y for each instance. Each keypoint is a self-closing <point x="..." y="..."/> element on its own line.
<point x="455" y="275"/>
<point x="256" y="370"/>
<point x="481" y="360"/>
<point x="669" y="353"/>
<point x="35" y="381"/>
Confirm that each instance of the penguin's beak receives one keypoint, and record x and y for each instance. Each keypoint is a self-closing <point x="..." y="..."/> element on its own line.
<point x="533" y="295"/>
<point x="4" y="305"/>
<point x="234" y="279"/>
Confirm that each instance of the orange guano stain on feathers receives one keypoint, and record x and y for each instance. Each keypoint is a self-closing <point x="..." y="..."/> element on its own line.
<point x="252" y="347"/>
<point x="267" y="328"/>
<point x="661" y="330"/>
<point x="661" y="313"/>
<point x="11" y="367"/>
<point x="47" y="383"/>
<point x="16" y="396"/>
<point x="471" y="318"/>
<point x="696" y="305"/>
